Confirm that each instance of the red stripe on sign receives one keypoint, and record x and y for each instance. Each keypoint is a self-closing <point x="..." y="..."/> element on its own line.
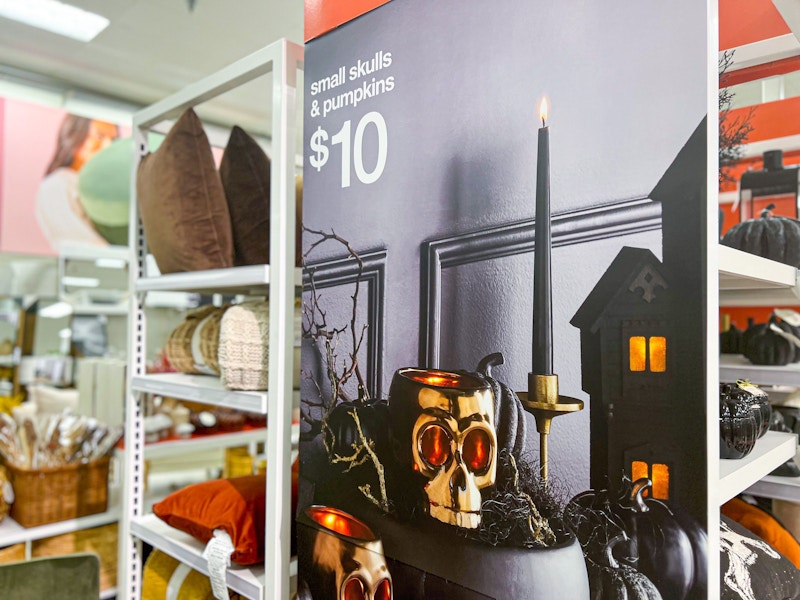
<point x="746" y="21"/>
<point x="321" y="16"/>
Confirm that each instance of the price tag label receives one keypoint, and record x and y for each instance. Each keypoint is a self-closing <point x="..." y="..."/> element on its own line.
<point x="352" y="148"/>
<point x="789" y="316"/>
<point x="750" y="388"/>
<point x="218" y="554"/>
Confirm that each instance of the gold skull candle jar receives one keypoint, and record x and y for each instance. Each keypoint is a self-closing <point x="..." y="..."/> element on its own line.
<point x="342" y="557"/>
<point x="443" y="428"/>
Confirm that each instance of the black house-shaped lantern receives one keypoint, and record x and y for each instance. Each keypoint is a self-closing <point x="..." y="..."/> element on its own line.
<point x="641" y="361"/>
<point x="626" y="354"/>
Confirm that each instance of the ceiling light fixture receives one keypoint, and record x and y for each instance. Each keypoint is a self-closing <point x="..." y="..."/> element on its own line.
<point x="56" y="17"/>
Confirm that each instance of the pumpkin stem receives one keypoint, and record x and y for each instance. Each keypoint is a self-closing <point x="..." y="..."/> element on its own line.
<point x="766" y="213"/>
<point x="487" y="362"/>
<point x="362" y="395"/>
<point x="608" y="551"/>
<point x="640" y="486"/>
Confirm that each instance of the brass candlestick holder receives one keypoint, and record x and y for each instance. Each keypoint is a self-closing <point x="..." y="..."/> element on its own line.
<point x="545" y="405"/>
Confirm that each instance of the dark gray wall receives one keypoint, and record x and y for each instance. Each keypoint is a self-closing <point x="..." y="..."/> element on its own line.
<point x="627" y="85"/>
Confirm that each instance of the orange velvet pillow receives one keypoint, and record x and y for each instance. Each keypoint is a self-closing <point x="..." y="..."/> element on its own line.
<point x="234" y="505"/>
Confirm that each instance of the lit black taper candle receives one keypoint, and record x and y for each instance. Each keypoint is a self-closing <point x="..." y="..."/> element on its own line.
<point x="542" y="292"/>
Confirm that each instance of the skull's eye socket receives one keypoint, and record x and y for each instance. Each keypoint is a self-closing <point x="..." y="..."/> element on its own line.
<point x="435" y="445"/>
<point x="475" y="450"/>
<point x="384" y="590"/>
<point x="354" y="590"/>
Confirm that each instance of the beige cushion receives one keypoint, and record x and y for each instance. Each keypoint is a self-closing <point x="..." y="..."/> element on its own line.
<point x="182" y="203"/>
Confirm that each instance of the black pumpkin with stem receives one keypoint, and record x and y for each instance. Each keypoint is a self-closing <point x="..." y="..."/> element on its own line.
<point x="764" y="346"/>
<point x="756" y="403"/>
<point x="356" y="433"/>
<point x="738" y="430"/>
<point x="775" y="238"/>
<point x="659" y="545"/>
<point x="611" y="580"/>
<point x="730" y="341"/>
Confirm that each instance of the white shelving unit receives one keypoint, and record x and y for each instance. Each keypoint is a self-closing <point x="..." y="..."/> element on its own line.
<point x="278" y="281"/>
<point x="748" y="280"/>
<point x="178" y="447"/>
<point x="771" y="451"/>
<point x="12" y="532"/>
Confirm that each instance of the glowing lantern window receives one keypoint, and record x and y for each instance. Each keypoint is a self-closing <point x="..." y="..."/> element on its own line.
<point x="638" y="353"/>
<point x="658" y="354"/>
<point x="658" y="473"/>
<point x="647" y="354"/>
<point x="639" y="470"/>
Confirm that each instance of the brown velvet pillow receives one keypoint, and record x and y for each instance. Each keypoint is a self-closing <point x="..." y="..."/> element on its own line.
<point x="182" y="203"/>
<point x="244" y="172"/>
<point x="235" y="505"/>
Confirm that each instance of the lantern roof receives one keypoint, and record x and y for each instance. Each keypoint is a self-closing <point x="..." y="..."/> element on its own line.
<point x="620" y="274"/>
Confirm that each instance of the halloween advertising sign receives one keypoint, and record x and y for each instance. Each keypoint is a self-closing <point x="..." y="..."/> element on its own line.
<point x="503" y="359"/>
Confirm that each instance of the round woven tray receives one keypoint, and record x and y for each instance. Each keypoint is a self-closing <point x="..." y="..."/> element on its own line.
<point x="178" y="349"/>
<point x="209" y="339"/>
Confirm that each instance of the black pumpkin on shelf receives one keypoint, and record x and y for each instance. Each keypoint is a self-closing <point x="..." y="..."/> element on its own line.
<point x="791" y="331"/>
<point x="738" y="430"/>
<point x="775" y="238"/>
<point x="763" y="346"/>
<point x="611" y="580"/>
<point x="730" y="341"/>
<point x="753" y="399"/>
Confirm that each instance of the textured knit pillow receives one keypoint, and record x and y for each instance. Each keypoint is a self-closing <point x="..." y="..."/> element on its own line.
<point x="244" y="171"/>
<point x="244" y="346"/>
<point x="182" y="203"/>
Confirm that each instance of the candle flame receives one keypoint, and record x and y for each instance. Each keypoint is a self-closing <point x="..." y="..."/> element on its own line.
<point x="543" y="112"/>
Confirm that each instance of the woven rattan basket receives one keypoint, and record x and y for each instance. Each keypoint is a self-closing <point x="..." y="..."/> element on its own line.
<point x="102" y="541"/>
<point x="12" y="553"/>
<point x="49" y="495"/>
<point x="244" y="346"/>
<point x="179" y="343"/>
<point x="209" y="339"/>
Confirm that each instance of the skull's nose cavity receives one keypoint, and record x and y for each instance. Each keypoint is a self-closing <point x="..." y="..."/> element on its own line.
<point x="459" y="479"/>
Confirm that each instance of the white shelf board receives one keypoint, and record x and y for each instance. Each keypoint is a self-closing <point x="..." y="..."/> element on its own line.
<point x="779" y="488"/>
<point x="78" y="251"/>
<point x="12" y="532"/>
<point x="253" y="279"/>
<point x="736" y="366"/>
<point x="108" y="594"/>
<point x="200" y="388"/>
<point x="749" y="280"/>
<point x="771" y="451"/>
<point x="171" y="448"/>
<point x="248" y="581"/>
